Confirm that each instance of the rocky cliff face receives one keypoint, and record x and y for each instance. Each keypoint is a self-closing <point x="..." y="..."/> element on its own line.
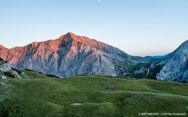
<point x="175" y="65"/>
<point x="72" y="55"/>
<point x="67" y="56"/>
<point x="3" y="52"/>
<point x="172" y="67"/>
<point x="7" y="71"/>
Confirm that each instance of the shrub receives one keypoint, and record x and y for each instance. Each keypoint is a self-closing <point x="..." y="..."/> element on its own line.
<point x="186" y="101"/>
<point x="40" y="73"/>
<point x="9" y="74"/>
<point x="51" y="75"/>
<point x="7" y="110"/>
<point x="18" y="71"/>
<point x="28" y="70"/>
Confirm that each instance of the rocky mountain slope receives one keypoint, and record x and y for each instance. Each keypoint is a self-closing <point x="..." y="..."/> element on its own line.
<point x="6" y="70"/>
<point x="69" y="55"/>
<point x="172" y="67"/>
<point x="175" y="66"/>
<point x="72" y="55"/>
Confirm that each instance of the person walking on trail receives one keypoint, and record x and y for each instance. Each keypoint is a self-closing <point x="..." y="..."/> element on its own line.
<point x="113" y="87"/>
<point x="107" y="87"/>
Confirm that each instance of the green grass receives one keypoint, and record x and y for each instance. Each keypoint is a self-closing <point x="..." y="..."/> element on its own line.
<point x="42" y="96"/>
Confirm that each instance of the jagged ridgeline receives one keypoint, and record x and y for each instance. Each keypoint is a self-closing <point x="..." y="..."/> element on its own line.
<point x="69" y="55"/>
<point x="172" y="67"/>
<point x="72" y="55"/>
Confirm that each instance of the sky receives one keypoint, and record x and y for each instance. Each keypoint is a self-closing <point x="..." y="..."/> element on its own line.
<point x="138" y="27"/>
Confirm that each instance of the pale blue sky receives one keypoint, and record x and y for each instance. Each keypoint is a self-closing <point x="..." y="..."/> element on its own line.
<point x="138" y="27"/>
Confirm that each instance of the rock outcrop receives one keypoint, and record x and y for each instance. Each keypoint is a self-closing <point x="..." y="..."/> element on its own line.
<point x="7" y="71"/>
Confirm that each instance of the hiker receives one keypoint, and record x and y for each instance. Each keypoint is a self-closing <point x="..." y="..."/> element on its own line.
<point x="107" y="87"/>
<point x="113" y="87"/>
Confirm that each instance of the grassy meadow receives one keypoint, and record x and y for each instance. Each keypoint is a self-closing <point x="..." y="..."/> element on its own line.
<point x="38" y="95"/>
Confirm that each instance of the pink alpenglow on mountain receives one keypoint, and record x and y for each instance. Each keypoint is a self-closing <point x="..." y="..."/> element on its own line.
<point x="69" y="55"/>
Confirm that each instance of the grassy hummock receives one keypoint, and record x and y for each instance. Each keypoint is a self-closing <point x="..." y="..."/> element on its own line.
<point x="38" y="95"/>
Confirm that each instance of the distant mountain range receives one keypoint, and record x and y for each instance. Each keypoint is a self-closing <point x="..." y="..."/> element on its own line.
<point x="71" y="55"/>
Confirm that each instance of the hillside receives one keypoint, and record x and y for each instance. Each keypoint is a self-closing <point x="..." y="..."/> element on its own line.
<point x="175" y="66"/>
<point x="37" y="95"/>
<point x="72" y="55"/>
<point x="172" y="67"/>
<point x="69" y="55"/>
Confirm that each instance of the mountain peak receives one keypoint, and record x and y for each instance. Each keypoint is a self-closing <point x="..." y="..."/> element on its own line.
<point x="70" y="33"/>
<point x="68" y="36"/>
<point x="83" y="39"/>
<point x="185" y="43"/>
<point x="1" y="46"/>
<point x="183" y="46"/>
<point x="68" y="55"/>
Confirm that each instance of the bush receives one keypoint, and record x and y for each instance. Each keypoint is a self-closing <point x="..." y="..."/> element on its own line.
<point x="9" y="74"/>
<point x="40" y="73"/>
<point x="50" y="75"/>
<point x="18" y="71"/>
<point x="187" y="101"/>
<point x="7" y="110"/>
<point x="29" y="70"/>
